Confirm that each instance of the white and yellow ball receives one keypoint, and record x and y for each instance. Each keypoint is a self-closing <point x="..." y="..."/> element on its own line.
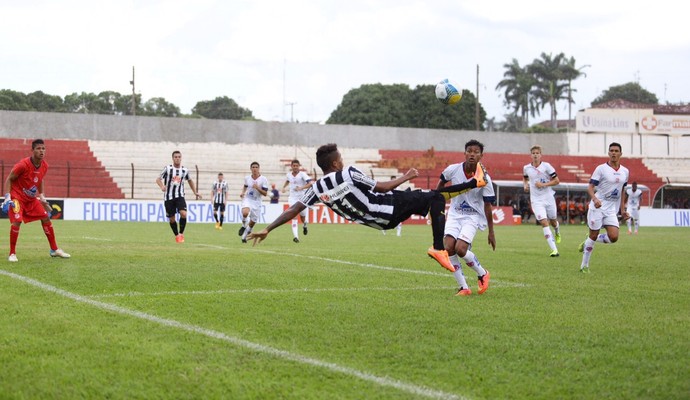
<point x="448" y="92"/>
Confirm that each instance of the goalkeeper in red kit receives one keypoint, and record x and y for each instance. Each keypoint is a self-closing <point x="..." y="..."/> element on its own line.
<point x="25" y="202"/>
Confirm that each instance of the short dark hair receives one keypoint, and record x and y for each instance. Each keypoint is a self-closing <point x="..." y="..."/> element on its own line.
<point x="36" y="143"/>
<point x="253" y="164"/>
<point x="176" y="152"/>
<point x="616" y="144"/>
<point x="295" y="161"/>
<point x="325" y="155"/>
<point x="475" y="142"/>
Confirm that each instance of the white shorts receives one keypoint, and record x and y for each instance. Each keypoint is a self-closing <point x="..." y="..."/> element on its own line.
<point x="292" y="200"/>
<point x="634" y="214"/>
<point x="543" y="210"/>
<point x="464" y="230"/>
<point x="254" y="209"/>
<point x="597" y="219"/>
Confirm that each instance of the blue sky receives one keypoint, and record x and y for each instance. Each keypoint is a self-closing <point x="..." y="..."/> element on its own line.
<point x="267" y="53"/>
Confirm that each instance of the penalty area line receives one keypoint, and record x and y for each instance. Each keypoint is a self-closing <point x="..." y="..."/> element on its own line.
<point x="379" y="380"/>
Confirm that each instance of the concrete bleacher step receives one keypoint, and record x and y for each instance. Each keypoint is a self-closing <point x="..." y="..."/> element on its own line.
<point x="136" y="165"/>
<point x="73" y="169"/>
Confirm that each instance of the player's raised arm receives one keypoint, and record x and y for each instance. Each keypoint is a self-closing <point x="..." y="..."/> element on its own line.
<point x="383" y="187"/>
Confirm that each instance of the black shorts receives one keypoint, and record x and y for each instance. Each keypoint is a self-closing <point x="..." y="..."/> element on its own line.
<point x="219" y="206"/>
<point x="174" y="206"/>
<point x="409" y="202"/>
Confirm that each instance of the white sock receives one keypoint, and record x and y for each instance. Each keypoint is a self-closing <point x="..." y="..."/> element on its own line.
<point x="587" y="252"/>
<point x="557" y="228"/>
<point x="399" y="229"/>
<point x="637" y="224"/>
<point x="294" y="227"/>
<point x="549" y="238"/>
<point x="603" y="238"/>
<point x="629" y="222"/>
<point x="246" y="232"/>
<point x="473" y="263"/>
<point x="459" y="276"/>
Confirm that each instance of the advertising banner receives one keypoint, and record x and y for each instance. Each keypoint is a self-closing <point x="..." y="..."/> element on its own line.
<point x="202" y="212"/>
<point x="665" y="124"/>
<point x="664" y="217"/>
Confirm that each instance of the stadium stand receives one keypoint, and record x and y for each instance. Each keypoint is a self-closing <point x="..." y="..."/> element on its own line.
<point x="128" y="169"/>
<point x="136" y="165"/>
<point x="671" y="170"/>
<point x="508" y="167"/>
<point x="74" y="170"/>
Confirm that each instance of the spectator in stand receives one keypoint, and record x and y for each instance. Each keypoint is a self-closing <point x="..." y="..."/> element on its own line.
<point x="275" y="194"/>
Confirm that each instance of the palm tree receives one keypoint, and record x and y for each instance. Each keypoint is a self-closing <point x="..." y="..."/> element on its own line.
<point x="571" y="73"/>
<point x="549" y="74"/>
<point x="517" y="84"/>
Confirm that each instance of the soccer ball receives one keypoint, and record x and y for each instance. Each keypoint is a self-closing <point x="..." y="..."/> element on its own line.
<point x="448" y="92"/>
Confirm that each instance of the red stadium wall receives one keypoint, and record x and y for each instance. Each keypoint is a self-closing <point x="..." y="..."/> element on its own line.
<point x="74" y="170"/>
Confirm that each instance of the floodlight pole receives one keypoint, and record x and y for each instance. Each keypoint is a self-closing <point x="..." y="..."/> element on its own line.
<point x="476" y="104"/>
<point x="134" y="97"/>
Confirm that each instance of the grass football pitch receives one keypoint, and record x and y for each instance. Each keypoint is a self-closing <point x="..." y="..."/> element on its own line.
<point x="347" y="313"/>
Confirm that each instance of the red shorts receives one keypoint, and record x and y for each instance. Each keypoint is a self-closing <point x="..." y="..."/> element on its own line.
<point x="28" y="211"/>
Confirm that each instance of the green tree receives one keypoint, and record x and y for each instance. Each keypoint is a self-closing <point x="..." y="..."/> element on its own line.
<point x="572" y="72"/>
<point x="81" y="102"/>
<point x="159" y="107"/>
<point x="427" y="112"/>
<point x="631" y="91"/>
<point x="517" y="85"/>
<point x="40" y="101"/>
<point x="398" y="105"/>
<point x="551" y="85"/>
<point x="374" y="105"/>
<point x="222" y="108"/>
<point x="11" y="100"/>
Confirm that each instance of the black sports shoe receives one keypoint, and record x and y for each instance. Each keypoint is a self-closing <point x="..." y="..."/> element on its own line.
<point x="241" y="231"/>
<point x="305" y="231"/>
<point x="295" y="240"/>
<point x="244" y="240"/>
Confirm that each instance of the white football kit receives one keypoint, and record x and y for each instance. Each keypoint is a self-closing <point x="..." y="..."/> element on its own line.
<point x="252" y="197"/>
<point x="542" y="199"/>
<point x="295" y="182"/>
<point x="466" y="213"/>
<point x="609" y="184"/>
<point x="633" y="204"/>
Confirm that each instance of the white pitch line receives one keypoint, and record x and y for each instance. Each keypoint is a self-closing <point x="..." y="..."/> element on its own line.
<point x="366" y="265"/>
<point x="379" y="380"/>
<point x="98" y="239"/>
<point x="262" y="290"/>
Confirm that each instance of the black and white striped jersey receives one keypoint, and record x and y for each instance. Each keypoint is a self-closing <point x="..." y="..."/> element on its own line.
<point x="174" y="178"/>
<point x="220" y="191"/>
<point x="349" y="193"/>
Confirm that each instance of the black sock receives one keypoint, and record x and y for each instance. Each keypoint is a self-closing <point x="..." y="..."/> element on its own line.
<point x="183" y="223"/>
<point x="438" y="220"/>
<point x="173" y="226"/>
